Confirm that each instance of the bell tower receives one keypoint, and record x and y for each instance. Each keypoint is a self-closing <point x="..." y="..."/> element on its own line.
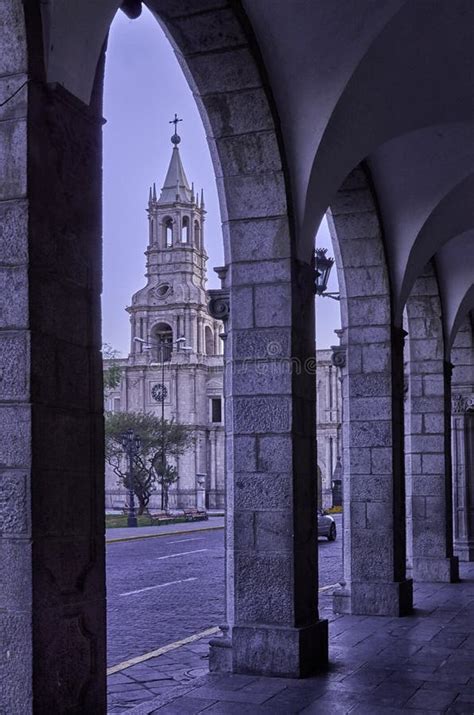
<point x="176" y="222"/>
<point x="173" y="304"/>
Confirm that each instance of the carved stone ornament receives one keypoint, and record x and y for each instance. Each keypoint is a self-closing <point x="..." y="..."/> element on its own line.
<point x="164" y="290"/>
<point x="338" y="357"/>
<point x="462" y="403"/>
<point x="219" y="303"/>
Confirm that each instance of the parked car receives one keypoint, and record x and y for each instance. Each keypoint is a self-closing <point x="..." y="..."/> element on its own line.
<point x="326" y="525"/>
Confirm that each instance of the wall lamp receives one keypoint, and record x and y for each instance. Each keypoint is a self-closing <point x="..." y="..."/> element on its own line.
<point x="323" y="265"/>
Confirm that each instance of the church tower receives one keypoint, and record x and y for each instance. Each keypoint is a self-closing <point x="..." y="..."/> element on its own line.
<point x="173" y="305"/>
<point x="175" y="365"/>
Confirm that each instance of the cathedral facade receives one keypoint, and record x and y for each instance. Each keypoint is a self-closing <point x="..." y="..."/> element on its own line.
<point x="175" y="367"/>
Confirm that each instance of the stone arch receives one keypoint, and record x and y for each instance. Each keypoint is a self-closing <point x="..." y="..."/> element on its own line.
<point x="209" y="340"/>
<point x="161" y="335"/>
<point x="185" y="230"/>
<point x="374" y="569"/>
<point x="167" y="235"/>
<point x="62" y="227"/>
<point x="427" y="448"/>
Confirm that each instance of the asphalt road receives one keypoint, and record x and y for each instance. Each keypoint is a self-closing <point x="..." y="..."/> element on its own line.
<point x="161" y="590"/>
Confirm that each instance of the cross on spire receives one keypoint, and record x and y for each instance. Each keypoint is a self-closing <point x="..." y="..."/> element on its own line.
<point x="175" y="139"/>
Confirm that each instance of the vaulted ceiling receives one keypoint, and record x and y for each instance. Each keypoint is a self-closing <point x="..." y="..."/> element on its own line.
<point x="389" y="82"/>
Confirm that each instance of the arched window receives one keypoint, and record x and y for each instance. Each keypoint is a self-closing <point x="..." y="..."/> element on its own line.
<point x="185" y="230"/>
<point x="162" y="342"/>
<point x="197" y="234"/>
<point x="168" y="224"/>
<point x="209" y="340"/>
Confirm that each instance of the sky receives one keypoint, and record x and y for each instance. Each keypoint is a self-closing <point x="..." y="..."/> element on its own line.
<point x="144" y="87"/>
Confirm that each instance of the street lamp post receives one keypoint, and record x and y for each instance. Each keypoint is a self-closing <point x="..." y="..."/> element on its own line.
<point x="131" y="445"/>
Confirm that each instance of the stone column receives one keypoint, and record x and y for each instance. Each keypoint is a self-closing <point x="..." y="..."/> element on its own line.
<point x="271" y="391"/>
<point x="463" y="475"/>
<point x="271" y="488"/>
<point x="373" y="482"/>
<point x="52" y="580"/>
<point x="428" y="463"/>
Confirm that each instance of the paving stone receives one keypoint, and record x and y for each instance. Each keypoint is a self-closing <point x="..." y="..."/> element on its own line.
<point x="431" y="699"/>
<point x="392" y="694"/>
<point x="383" y="673"/>
<point x="382" y="710"/>
<point x="185" y="705"/>
<point x="229" y="708"/>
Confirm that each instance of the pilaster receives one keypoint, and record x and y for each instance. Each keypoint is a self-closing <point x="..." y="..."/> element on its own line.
<point x="463" y="474"/>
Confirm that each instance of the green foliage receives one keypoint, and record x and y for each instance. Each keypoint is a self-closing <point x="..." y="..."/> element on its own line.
<point x="160" y="440"/>
<point x="113" y="371"/>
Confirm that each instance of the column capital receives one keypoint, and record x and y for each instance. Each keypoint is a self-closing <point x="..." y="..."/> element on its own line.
<point x="462" y="403"/>
<point x="219" y="304"/>
<point x="338" y="357"/>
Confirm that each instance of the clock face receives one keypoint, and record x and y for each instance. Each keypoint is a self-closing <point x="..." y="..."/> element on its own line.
<point x="159" y="392"/>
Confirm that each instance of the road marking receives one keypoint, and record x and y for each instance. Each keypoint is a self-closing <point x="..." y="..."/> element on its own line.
<point x="160" y="651"/>
<point x="160" y="585"/>
<point x="180" y="541"/>
<point x="182" y="553"/>
<point x="326" y="588"/>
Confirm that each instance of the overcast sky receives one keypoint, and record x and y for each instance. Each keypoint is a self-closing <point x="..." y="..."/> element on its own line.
<point x="144" y="87"/>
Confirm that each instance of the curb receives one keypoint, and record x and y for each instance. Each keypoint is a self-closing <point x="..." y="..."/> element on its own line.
<point x="168" y="533"/>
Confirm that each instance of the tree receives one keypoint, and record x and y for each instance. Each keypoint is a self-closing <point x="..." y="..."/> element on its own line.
<point x="160" y="440"/>
<point x="113" y="371"/>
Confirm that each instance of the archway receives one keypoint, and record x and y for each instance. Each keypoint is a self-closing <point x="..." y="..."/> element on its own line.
<point x="59" y="175"/>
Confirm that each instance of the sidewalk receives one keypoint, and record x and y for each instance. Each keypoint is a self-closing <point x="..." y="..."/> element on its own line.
<point x="423" y="663"/>
<point x="144" y="532"/>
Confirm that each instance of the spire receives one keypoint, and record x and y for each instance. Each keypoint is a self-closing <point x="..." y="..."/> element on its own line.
<point x="154" y="191"/>
<point x="176" y="186"/>
<point x="202" y="198"/>
<point x="150" y="197"/>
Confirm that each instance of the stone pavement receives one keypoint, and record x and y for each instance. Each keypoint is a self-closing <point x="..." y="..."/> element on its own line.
<point x="140" y="532"/>
<point x="423" y="663"/>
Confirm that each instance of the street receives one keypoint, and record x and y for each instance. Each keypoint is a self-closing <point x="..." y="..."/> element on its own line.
<point x="163" y="589"/>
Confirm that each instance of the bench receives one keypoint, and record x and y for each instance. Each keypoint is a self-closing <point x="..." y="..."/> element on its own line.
<point x="159" y="515"/>
<point x="195" y="514"/>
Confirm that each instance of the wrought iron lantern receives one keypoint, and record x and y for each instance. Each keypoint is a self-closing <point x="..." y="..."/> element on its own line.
<point x="323" y="265"/>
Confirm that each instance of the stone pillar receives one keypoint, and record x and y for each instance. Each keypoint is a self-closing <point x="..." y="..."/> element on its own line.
<point x="271" y="490"/>
<point x="373" y="493"/>
<point x="463" y="475"/>
<point x="372" y="385"/>
<point x="428" y="449"/>
<point x="52" y="580"/>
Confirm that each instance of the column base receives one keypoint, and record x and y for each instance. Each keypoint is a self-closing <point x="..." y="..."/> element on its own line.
<point x="375" y="599"/>
<point x="440" y="570"/>
<point x="464" y="550"/>
<point x="220" y="653"/>
<point x="280" y="651"/>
